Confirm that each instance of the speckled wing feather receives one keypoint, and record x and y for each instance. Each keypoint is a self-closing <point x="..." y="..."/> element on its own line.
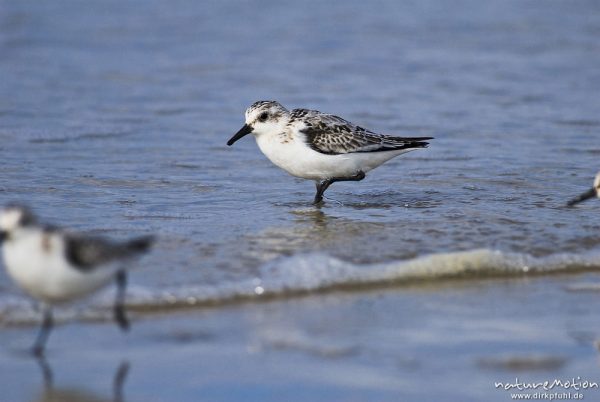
<point x="85" y="253"/>
<point x="332" y="135"/>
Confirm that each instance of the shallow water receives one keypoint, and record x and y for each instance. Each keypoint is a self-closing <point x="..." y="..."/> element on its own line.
<point x="114" y="117"/>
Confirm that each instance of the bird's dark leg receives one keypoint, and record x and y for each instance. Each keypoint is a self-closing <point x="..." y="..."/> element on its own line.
<point x="42" y="337"/>
<point x="46" y="372"/>
<point x="119" y="381"/>
<point x="119" y="309"/>
<point x="323" y="185"/>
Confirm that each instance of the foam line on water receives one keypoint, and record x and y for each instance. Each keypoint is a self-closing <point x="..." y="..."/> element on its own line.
<point x="314" y="273"/>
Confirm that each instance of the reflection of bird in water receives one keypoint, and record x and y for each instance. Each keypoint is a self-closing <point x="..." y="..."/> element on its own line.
<point x="592" y="192"/>
<point x="55" y="266"/>
<point x="52" y="394"/>
<point x="317" y="217"/>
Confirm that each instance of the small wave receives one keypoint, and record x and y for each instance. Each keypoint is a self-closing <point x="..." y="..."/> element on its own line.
<point x="317" y="273"/>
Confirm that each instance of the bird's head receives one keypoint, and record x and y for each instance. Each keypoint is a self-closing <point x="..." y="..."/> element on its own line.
<point x="13" y="217"/>
<point x="263" y="117"/>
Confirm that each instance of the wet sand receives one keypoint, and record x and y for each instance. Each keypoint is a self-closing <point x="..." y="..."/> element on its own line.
<point x="381" y="344"/>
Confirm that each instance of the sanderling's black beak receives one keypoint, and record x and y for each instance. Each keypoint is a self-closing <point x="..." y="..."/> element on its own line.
<point x="243" y="132"/>
<point x="585" y="196"/>
<point x="3" y="236"/>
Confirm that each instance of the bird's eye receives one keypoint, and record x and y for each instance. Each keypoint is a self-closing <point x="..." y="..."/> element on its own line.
<point x="263" y="116"/>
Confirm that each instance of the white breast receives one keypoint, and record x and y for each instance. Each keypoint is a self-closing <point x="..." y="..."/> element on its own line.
<point x="36" y="262"/>
<point x="298" y="159"/>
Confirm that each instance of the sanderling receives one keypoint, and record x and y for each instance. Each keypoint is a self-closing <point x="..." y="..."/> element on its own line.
<point x="56" y="266"/>
<point x="592" y="192"/>
<point x="318" y="146"/>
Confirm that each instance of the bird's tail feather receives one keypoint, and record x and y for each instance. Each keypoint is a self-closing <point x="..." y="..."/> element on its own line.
<point x="417" y="144"/>
<point x="407" y="142"/>
<point x="139" y="244"/>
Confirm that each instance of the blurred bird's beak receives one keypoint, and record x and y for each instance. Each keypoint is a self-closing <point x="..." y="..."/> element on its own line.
<point x="585" y="196"/>
<point x="243" y="132"/>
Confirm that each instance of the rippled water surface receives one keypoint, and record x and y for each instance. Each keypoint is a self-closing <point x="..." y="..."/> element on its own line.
<point x="114" y="118"/>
